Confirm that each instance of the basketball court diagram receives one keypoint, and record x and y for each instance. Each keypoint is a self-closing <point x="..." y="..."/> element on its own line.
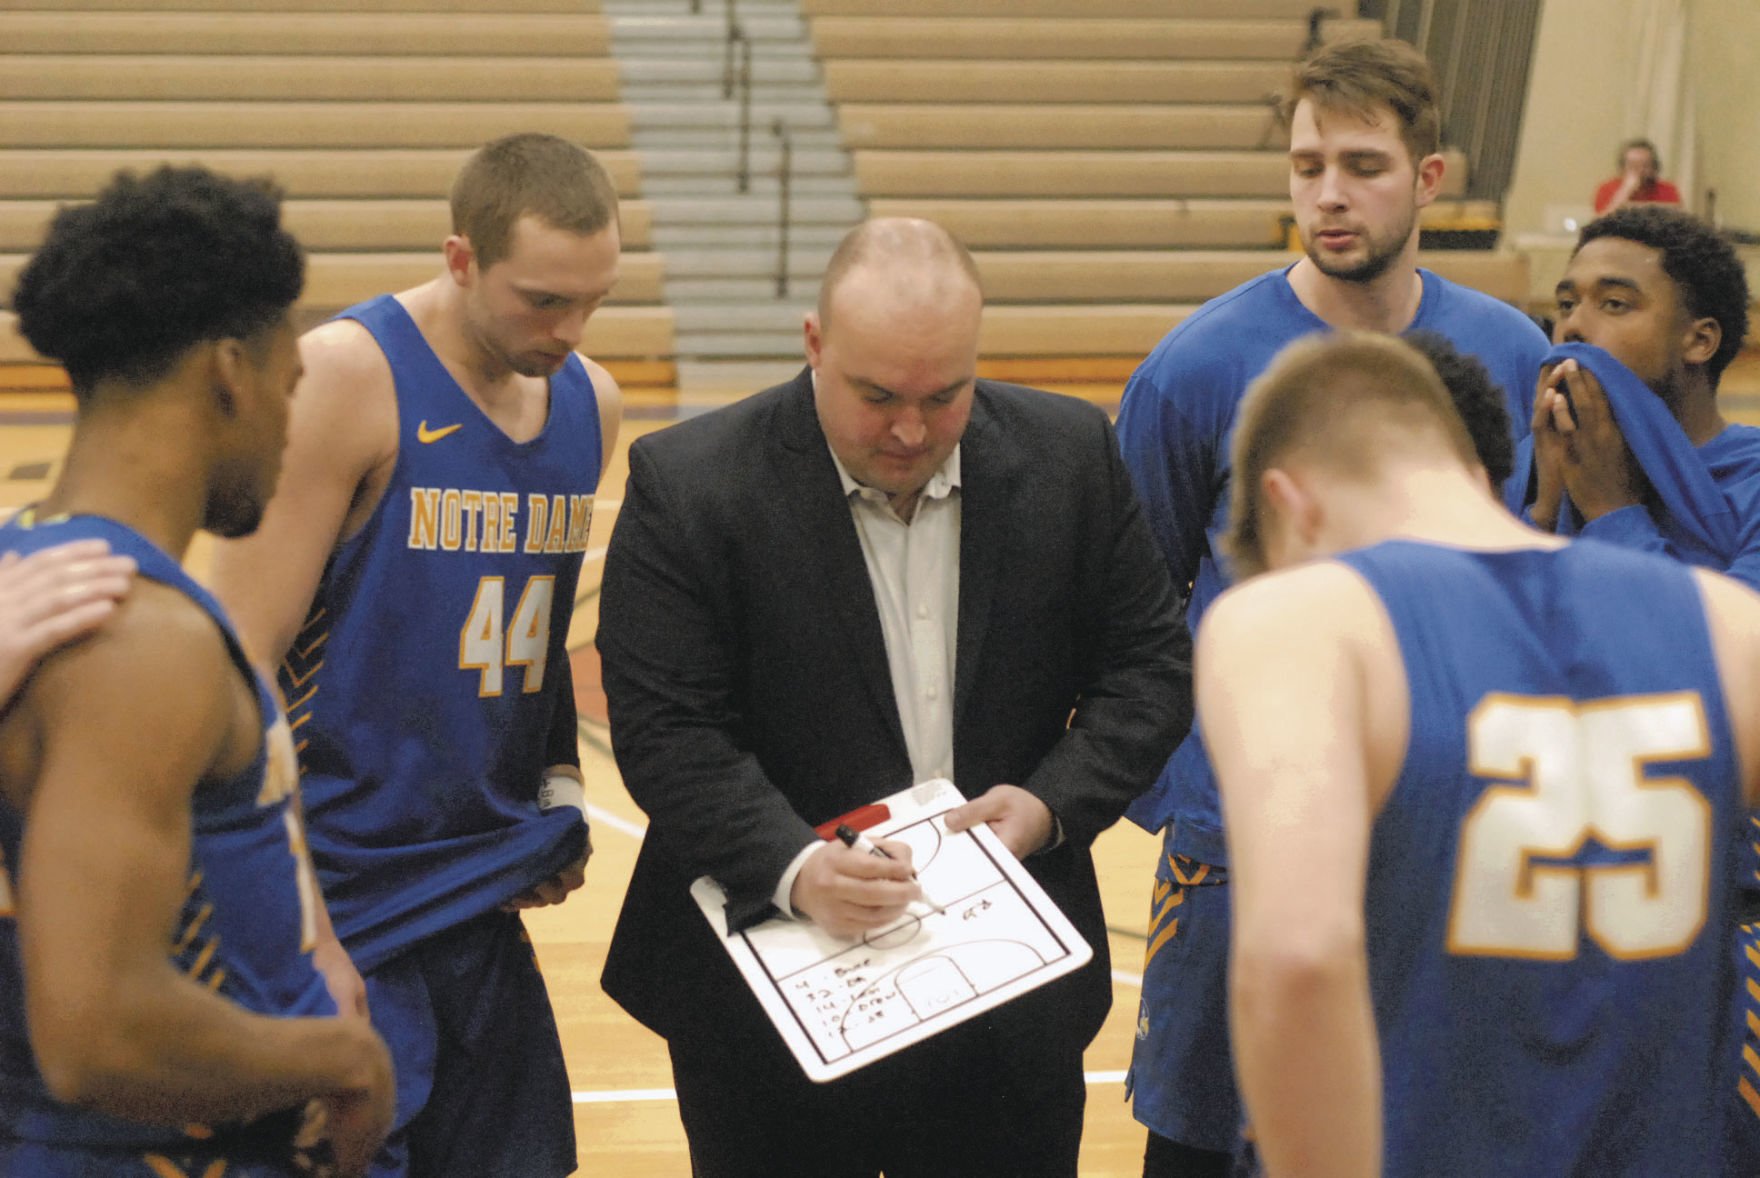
<point x="843" y="1003"/>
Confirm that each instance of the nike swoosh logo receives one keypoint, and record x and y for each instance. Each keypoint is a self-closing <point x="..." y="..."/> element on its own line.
<point x="425" y="435"/>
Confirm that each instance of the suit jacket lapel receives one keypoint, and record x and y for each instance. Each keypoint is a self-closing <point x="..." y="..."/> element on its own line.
<point x="814" y="504"/>
<point x="989" y="472"/>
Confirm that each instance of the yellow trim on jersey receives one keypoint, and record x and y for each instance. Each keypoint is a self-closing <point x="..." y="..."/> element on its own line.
<point x="1748" y="1094"/>
<point x="203" y="958"/>
<point x="192" y="928"/>
<point x="299" y="680"/>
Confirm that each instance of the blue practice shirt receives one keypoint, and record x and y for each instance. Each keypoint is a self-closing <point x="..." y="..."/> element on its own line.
<point x="1174" y="428"/>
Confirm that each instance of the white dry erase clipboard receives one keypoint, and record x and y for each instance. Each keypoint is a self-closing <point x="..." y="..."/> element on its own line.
<point x="841" y="1004"/>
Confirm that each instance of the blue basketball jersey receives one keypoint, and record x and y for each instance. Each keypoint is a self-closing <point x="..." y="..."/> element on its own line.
<point x="1550" y="903"/>
<point x="425" y="682"/>
<point x="247" y="923"/>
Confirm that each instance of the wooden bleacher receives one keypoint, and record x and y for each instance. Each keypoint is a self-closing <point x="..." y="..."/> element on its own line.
<point x="1110" y="172"/>
<point x="308" y="78"/>
<point x="1071" y="39"/>
<point x="388" y="33"/>
<point x="1106" y="9"/>
<point x="273" y="7"/>
<point x="362" y="117"/>
<point x="1182" y="276"/>
<point x="1069" y="126"/>
<point x="220" y="123"/>
<point x="1049" y="82"/>
<point x="1023" y="173"/>
<point x="1143" y="223"/>
<point x="386" y="173"/>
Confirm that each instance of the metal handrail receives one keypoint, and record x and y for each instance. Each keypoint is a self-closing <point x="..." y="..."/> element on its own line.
<point x="745" y="113"/>
<point x="784" y="170"/>
<point x="735" y="33"/>
<point x="734" y="36"/>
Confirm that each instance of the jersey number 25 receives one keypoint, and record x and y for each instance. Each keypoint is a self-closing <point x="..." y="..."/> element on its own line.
<point x="1521" y="888"/>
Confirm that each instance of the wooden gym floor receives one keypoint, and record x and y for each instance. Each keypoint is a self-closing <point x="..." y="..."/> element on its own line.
<point x="625" y="1118"/>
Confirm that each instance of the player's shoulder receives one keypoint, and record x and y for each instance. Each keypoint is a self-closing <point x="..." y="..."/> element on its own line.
<point x="1737" y="443"/>
<point x="1729" y="599"/>
<point x="159" y="634"/>
<point x="1224" y="342"/>
<point x="1217" y="323"/>
<point x="1296" y="603"/>
<point x="1481" y="310"/>
<point x="604" y="384"/>
<point x="1732" y="615"/>
<point x="343" y="351"/>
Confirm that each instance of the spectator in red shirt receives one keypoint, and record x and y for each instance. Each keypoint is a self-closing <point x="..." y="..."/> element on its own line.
<point x="1639" y="180"/>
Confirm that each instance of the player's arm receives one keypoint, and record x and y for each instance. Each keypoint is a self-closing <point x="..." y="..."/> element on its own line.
<point x="1733" y="612"/>
<point x="342" y="427"/>
<point x="610" y="398"/>
<point x="1170" y="446"/>
<point x="1282" y="698"/>
<point x="104" y="871"/>
<point x="563" y="783"/>
<point x="564" y="756"/>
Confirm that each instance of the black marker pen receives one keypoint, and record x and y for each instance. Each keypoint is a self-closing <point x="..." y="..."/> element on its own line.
<point x="856" y="841"/>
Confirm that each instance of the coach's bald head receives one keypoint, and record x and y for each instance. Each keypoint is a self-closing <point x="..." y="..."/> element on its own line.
<point x="893" y="345"/>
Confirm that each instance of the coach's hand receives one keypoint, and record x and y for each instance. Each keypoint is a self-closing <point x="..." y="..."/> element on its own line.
<point x="1018" y="818"/>
<point x="846" y="892"/>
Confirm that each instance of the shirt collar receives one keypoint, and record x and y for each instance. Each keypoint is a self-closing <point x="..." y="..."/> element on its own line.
<point x="941" y="484"/>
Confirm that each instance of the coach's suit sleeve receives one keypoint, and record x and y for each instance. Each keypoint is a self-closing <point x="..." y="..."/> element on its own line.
<point x="669" y="668"/>
<point x="1136" y="705"/>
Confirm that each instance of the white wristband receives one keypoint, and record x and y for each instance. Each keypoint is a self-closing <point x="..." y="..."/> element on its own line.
<point x="562" y="789"/>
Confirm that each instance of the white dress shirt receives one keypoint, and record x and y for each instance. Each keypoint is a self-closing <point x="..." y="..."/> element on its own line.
<point x="914" y="570"/>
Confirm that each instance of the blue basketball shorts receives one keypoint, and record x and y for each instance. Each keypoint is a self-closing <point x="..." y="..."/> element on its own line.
<point x="1743" y="1149"/>
<point x="481" y="1085"/>
<point x="1181" y="1080"/>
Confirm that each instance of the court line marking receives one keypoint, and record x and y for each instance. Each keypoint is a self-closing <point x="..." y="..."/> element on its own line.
<point x="603" y="817"/>
<point x="637" y="1095"/>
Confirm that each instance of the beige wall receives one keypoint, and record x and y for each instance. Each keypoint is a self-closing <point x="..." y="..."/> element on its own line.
<point x="1580" y="106"/>
<point x="1724" y="49"/>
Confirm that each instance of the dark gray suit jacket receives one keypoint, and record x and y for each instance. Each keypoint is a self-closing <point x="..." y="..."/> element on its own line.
<point x="750" y="697"/>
